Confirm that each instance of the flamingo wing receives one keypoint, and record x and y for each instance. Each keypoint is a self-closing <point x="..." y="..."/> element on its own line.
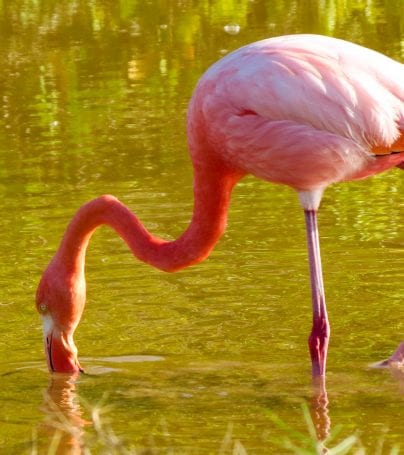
<point x="291" y="153"/>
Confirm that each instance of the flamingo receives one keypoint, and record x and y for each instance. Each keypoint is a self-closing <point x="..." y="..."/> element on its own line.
<point x="305" y="111"/>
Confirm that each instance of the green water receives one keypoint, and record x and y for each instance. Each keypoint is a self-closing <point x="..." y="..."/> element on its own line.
<point x="93" y="97"/>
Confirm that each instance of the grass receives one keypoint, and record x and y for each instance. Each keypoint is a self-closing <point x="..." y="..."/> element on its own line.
<point x="72" y="439"/>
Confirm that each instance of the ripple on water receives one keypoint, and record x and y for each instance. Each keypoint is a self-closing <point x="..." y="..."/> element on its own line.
<point x="93" y="365"/>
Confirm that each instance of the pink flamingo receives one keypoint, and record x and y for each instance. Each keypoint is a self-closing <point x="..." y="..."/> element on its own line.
<point x="302" y="110"/>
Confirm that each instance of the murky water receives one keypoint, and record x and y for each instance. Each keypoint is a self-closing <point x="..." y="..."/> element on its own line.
<point x="93" y="97"/>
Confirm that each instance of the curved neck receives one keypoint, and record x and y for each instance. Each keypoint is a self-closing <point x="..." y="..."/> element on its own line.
<point x="212" y="192"/>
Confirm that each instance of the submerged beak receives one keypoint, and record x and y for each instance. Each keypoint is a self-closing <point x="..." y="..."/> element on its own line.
<point x="60" y="350"/>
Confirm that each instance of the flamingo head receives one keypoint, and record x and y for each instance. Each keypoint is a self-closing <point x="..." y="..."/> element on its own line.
<point x="60" y="301"/>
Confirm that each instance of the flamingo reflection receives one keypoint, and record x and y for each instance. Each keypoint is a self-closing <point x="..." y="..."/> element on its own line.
<point x="319" y="412"/>
<point x="63" y="426"/>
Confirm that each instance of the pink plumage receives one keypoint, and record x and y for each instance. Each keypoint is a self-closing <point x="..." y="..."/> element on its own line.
<point x="303" y="110"/>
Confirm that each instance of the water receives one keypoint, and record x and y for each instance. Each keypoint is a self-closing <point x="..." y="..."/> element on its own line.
<point x="93" y="100"/>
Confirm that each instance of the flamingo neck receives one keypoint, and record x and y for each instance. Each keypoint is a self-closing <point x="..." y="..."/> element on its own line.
<point x="212" y="191"/>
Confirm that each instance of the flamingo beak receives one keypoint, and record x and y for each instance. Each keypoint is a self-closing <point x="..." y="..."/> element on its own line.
<point x="60" y="350"/>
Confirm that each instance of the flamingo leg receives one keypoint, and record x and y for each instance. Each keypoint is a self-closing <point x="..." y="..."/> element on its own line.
<point x="320" y="333"/>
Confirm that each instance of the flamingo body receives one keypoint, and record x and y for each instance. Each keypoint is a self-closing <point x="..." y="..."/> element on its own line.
<point x="302" y="110"/>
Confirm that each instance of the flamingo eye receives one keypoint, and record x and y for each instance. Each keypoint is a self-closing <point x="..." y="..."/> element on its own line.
<point x="42" y="308"/>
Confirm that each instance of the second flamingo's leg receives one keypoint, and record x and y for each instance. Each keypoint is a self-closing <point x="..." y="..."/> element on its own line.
<point x="320" y="333"/>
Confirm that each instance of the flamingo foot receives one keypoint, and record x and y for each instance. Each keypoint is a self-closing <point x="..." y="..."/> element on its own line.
<point x="396" y="359"/>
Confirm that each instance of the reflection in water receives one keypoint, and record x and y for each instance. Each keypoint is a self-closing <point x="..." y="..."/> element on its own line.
<point x="397" y="371"/>
<point x="319" y="409"/>
<point x="63" y="428"/>
<point x="319" y="413"/>
<point x="63" y="423"/>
